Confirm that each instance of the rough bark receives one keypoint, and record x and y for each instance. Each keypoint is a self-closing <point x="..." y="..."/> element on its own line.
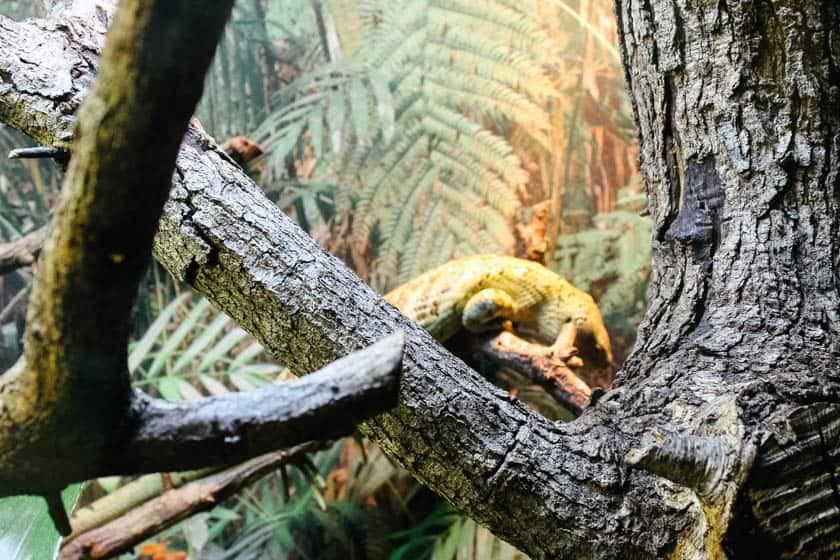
<point x="61" y="400"/>
<point x="222" y="430"/>
<point x="729" y="402"/>
<point x="738" y="108"/>
<point x="554" y="490"/>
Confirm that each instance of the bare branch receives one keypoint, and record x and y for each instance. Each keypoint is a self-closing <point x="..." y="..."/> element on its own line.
<point x="123" y="533"/>
<point x="473" y="444"/>
<point x="221" y="430"/>
<point x="127" y="497"/>
<point x="554" y="490"/>
<point x="22" y="252"/>
<point x="69" y="403"/>
<point x="546" y="366"/>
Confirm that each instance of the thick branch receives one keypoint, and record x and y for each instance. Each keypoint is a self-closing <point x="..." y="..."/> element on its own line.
<point x="553" y="490"/>
<point x="68" y="412"/>
<point x="68" y="404"/>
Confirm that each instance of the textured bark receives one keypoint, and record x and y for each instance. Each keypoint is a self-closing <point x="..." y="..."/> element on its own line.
<point x="66" y="402"/>
<point x="738" y="108"/>
<point x="68" y="412"/>
<point x="553" y="490"/>
<point x="170" y="436"/>
<point x="726" y="411"/>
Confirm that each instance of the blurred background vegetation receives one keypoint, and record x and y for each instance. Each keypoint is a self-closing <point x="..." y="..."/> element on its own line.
<point x="400" y="134"/>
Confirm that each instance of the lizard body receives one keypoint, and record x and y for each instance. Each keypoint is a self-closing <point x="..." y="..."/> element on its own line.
<point x="482" y="292"/>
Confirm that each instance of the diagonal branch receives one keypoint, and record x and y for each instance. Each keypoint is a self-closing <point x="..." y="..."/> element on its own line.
<point x="552" y="490"/>
<point x="126" y="531"/>
<point x="173" y="436"/>
<point x="73" y="390"/>
<point x="21" y="252"/>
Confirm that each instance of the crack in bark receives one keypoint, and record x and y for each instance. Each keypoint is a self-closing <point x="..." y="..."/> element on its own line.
<point x="497" y="471"/>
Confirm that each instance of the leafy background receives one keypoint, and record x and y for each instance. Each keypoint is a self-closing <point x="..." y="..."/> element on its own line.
<point x="400" y="134"/>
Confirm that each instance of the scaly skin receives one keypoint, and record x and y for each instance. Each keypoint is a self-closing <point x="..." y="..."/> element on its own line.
<point x="479" y="293"/>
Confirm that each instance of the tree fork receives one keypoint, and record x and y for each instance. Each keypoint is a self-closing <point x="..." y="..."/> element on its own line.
<point x="735" y="104"/>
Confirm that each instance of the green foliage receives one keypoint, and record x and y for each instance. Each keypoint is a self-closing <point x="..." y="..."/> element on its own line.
<point x="288" y="514"/>
<point x="447" y="535"/>
<point x="323" y="102"/>
<point x="412" y="122"/>
<point x="240" y="82"/>
<point x="26" y="530"/>
<point x="190" y="350"/>
<point x="611" y="261"/>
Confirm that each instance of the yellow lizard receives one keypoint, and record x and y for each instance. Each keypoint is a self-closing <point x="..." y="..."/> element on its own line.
<point x="483" y="292"/>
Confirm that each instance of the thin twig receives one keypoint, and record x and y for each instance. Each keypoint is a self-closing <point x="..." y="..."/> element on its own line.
<point x="22" y="252"/>
<point x="123" y="533"/>
<point x="13" y="303"/>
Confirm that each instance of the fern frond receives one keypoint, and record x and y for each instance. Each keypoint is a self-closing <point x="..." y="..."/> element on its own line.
<point x="494" y="20"/>
<point x="421" y="245"/>
<point x="489" y="150"/>
<point x="398" y="224"/>
<point x="394" y="167"/>
<point x="495" y="61"/>
<point x="462" y="89"/>
<point x="494" y="192"/>
<point x="451" y="68"/>
<point x="400" y="37"/>
<point x="484" y="220"/>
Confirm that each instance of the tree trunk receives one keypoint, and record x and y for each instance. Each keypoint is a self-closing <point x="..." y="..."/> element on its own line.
<point x="722" y="434"/>
<point x="738" y="109"/>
